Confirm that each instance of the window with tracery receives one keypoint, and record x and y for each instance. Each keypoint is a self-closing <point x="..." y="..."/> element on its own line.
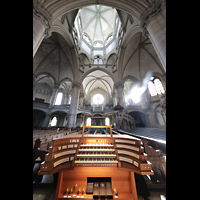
<point x="59" y="98"/>
<point x="98" y="61"/>
<point x="155" y="87"/>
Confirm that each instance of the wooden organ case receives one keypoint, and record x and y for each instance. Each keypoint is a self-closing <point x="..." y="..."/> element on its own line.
<point x="96" y="166"/>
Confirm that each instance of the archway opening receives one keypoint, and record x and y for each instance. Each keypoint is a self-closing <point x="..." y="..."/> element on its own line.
<point x="53" y="121"/>
<point x="140" y="118"/>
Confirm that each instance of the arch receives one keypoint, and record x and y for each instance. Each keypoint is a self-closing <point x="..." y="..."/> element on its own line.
<point x="61" y="31"/>
<point x="56" y="9"/>
<point x="38" y="117"/>
<point x="131" y="33"/>
<point x="61" y="117"/>
<point x="97" y="115"/>
<point x="132" y="78"/>
<point x="84" y="59"/>
<point x="54" y="121"/>
<point x="140" y="118"/>
<point x="111" y="59"/>
<point x="88" y="112"/>
<point x="65" y="79"/>
<point x="83" y="76"/>
<point x="87" y="38"/>
<point x="109" y="36"/>
<point x="47" y="74"/>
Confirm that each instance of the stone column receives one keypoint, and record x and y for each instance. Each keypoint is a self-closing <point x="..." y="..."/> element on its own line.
<point x="65" y="99"/>
<point x="114" y="99"/>
<point x="54" y="94"/>
<point x="154" y="27"/>
<point x="120" y="93"/>
<point x="81" y="99"/>
<point x="71" y="123"/>
<point x="46" y="120"/>
<point x="40" y="29"/>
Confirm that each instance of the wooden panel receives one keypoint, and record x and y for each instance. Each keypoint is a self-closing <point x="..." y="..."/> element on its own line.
<point x="121" y="180"/>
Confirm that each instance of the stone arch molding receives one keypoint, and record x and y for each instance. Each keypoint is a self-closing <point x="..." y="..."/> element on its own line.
<point x="56" y="8"/>
<point x="98" y="68"/>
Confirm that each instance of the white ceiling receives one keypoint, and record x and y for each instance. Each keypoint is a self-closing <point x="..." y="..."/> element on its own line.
<point x="98" y="22"/>
<point x="98" y="80"/>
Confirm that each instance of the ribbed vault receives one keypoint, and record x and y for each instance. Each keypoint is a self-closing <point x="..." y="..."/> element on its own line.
<point x="98" y="80"/>
<point x="54" y="56"/>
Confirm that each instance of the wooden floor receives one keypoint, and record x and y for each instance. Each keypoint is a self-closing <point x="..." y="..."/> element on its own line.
<point x="48" y="193"/>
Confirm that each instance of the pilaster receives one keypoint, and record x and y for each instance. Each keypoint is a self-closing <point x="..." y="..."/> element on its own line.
<point x="153" y="23"/>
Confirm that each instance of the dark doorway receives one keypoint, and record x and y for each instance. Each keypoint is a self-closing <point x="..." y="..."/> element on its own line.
<point x="140" y="118"/>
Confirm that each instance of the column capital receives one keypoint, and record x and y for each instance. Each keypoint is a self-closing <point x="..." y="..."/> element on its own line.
<point x="113" y="94"/>
<point x="155" y="8"/>
<point x="77" y="84"/>
<point x="56" y="86"/>
<point x="119" y="84"/>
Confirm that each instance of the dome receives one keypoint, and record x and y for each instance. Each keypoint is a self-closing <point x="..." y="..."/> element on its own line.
<point x="97" y="23"/>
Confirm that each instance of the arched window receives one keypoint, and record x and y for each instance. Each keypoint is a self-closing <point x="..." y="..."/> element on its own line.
<point x="59" y="98"/>
<point x="69" y="100"/>
<point x="87" y="39"/>
<point x="98" y="99"/>
<point x="88" y="122"/>
<point x="159" y="86"/>
<point x="98" y="61"/>
<point x="107" y="121"/>
<point x="155" y="87"/>
<point x="54" y="121"/>
<point x="152" y="89"/>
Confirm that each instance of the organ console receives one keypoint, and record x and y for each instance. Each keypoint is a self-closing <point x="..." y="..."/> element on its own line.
<point x="97" y="162"/>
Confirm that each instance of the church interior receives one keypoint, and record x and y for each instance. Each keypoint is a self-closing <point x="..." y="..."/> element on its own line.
<point x="99" y="90"/>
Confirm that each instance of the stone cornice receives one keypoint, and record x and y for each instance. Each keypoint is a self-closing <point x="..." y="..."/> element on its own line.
<point x="155" y="8"/>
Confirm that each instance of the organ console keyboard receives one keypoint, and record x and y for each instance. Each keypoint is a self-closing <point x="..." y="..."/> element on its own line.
<point x="104" y="164"/>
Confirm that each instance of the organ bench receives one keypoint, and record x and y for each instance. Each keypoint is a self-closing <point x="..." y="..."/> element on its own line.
<point x="96" y="166"/>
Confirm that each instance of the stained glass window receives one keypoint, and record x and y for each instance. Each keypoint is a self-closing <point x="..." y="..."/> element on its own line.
<point x="155" y="87"/>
